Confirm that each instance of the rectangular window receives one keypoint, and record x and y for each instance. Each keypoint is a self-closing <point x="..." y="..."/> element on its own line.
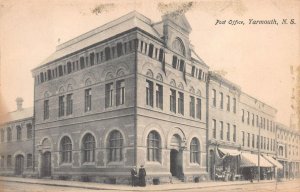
<point x="46" y="109"/>
<point x="180" y="103"/>
<point x="192" y="106"/>
<point x="172" y="100"/>
<point x="61" y="106"/>
<point x="29" y="131"/>
<point x="228" y="103"/>
<point x="228" y="132"/>
<point x="159" y="96"/>
<point x="248" y="139"/>
<point x="88" y="100"/>
<point x="257" y="141"/>
<point x="248" y="117"/>
<point x="234" y="133"/>
<point x="253" y="119"/>
<point x="243" y="138"/>
<point x="265" y="142"/>
<point x="193" y="71"/>
<point x="150" y="52"/>
<point x="29" y="160"/>
<point x="149" y="93"/>
<point x="253" y="141"/>
<point x="261" y="142"/>
<point x="234" y="105"/>
<point x="69" y="104"/>
<point x="174" y="62"/>
<point x="214" y="128"/>
<point x="221" y="100"/>
<point x="268" y="143"/>
<point x="120" y="92"/>
<point x="198" y="109"/>
<point x="214" y="99"/>
<point x="243" y="115"/>
<point x="181" y="65"/>
<point x="257" y="121"/>
<point x="161" y="55"/>
<point x="108" y="95"/>
<point x="221" y="130"/>
<point x="60" y="71"/>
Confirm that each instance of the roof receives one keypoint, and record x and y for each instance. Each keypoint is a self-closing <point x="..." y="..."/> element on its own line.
<point x="124" y="23"/>
<point x="17" y="115"/>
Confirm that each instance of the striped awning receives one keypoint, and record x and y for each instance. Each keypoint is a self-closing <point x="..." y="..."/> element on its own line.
<point x="273" y="161"/>
<point x="228" y="152"/>
<point x="251" y="160"/>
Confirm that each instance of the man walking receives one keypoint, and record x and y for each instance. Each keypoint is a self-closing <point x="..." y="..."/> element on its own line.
<point x="142" y="176"/>
<point x="133" y="176"/>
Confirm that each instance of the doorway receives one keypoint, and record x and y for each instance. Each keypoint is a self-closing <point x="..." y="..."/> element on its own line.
<point x="46" y="164"/>
<point x="19" y="164"/>
<point x="175" y="163"/>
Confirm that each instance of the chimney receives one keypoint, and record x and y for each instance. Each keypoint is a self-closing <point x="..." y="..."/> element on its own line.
<point x="19" y="101"/>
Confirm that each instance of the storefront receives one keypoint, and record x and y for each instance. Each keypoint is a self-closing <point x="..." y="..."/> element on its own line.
<point x="249" y="166"/>
<point x="277" y="166"/>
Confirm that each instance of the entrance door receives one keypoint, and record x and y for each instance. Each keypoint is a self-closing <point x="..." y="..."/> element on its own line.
<point x="19" y="165"/>
<point x="175" y="163"/>
<point x="46" y="164"/>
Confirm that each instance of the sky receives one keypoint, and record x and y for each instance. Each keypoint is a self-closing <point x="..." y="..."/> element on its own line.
<point x="256" y="57"/>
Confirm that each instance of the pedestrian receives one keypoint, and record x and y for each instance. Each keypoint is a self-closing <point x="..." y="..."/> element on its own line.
<point x="142" y="176"/>
<point x="133" y="176"/>
<point x="251" y="175"/>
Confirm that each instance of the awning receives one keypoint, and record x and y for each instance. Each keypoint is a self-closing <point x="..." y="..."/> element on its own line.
<point x="228" y="152"/>
<point x="251" y="160"/>
<point x="273" y="161"/>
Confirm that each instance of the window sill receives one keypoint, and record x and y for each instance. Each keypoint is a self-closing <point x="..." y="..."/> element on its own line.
<point x="115" y="163"/>
<point x="66" y="164"/>
<point x="153" y="163"/>
<point x="88" y="163"/>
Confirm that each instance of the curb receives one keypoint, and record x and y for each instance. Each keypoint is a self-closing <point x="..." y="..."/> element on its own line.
<point x="133" y="189"/>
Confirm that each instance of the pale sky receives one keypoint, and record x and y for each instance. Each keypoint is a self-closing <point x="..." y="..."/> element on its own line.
<point x="256" y="57"/>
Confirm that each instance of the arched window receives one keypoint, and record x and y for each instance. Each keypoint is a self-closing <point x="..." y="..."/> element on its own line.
<point x="8" y="134"/>
<point x="2" y="135"/>
<point x="66" y="150"/>
<point x="194" y="151"/>
<point x="178" y="46"/>
<point x="19" y="133"/>
<point x="153" y="146"/>
<point x="29" y="131"/>
<point x="88" y="143"/>
<point x="115" y="146"/>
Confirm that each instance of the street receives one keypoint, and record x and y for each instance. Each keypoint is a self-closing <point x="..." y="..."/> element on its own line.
<point x="288" y="186"/>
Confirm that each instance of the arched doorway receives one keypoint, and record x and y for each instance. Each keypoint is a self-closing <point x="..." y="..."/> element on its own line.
<point x="46" y="164"/>
<point x="19" y="164"/>
<point x="176" y="157"/>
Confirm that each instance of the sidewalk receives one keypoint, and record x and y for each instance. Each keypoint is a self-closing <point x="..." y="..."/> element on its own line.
<point x="102" y="186"/>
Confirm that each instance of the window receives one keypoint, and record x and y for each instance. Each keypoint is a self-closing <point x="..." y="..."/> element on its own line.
<point x="46" y="109"/>
<point x="9" y="134"/>
<point x="192" y="106"/>
<point x="257" y="141"/>
<point x="149" y="93"/>
<point x="268" y="143"/>
<point x="29" y="160"/>
<point x="29" y="131"/>
<point x="257" y="121"/>
<point x="69" y="67"/>
<point x="243" y="115"/>
<point x="253" y="119"/>
<point x="49" y="75"/>
<point x="174" y="62"/>
<point x="115" y="146"/>
<point x="181" y="65"/>
<point x="42" y="77"/>
<point x="253" y="141"/>
<point x="88" y="100"/>
<point x="92" y="58"/>
<point x="198" y="109"/>
<point x="228" y="132"/>
<point x="248" y="117"/>
<point x="181" y="103"/>
<point x="159" y="96"/>
<point x="248" y="139"/>
<point x="243" y="138"/>
<point x="214" y="97"/>
<point x="2" y="135"/>
<point x="234" y="133"/>
<point x="194" y="151"/>
<point x="221" y="130"/>
<point x="234" y="105"/>
<point x="161" y="55"/>
<point x="8" y="161"/>
<point x="221" y="100"/>
<point x="120" y="92"/>
<point x="66" y="150"/>
<point x="265" y="142"/>
<point x="214" y="127"/>
<point x="82" y="65"/>
<point x="193" y="71"/>
<point x="261" y="142"/>
<point x="172" y="100"/>
<point x="228" y="103"/>
<point x="88" y="147"/>
<point x="2" y="161"/>
<point x="61" y="106"/>
<point x="19" y="133"/>
<point x="107" y="53"/>
<point x="267" y="124"/>
<point x="119" y="49"/>
<point x="150" y="52"/>
<point x="153" y="146"/>
<point x="69" y="104"/>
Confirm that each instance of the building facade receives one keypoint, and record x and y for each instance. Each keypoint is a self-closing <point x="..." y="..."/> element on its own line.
<point x="133" y="92"/>
<point x="17" y="145"/>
